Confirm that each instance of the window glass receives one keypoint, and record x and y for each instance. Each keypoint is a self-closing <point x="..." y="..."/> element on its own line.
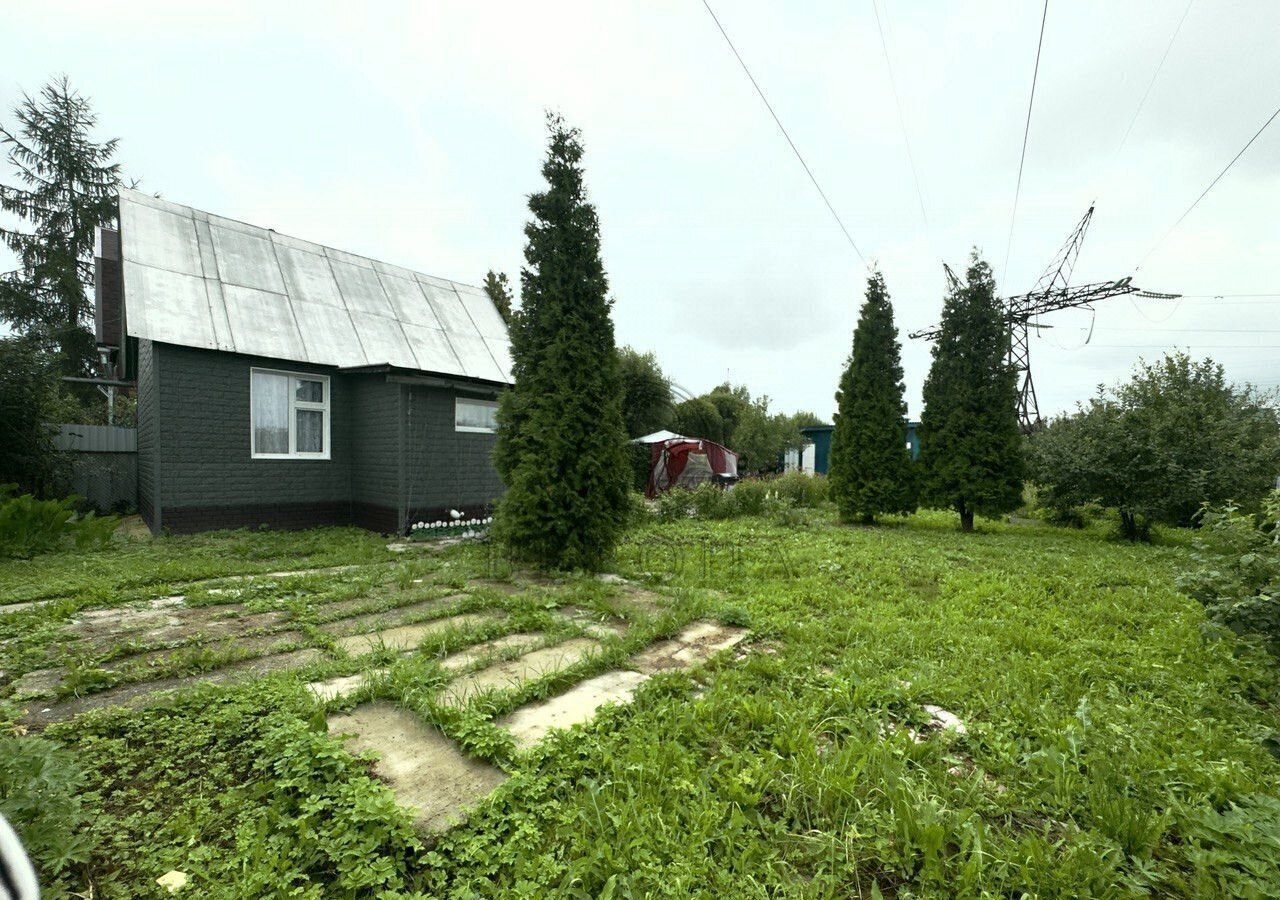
<point x="476" y="415"/>
<point x="310" y="391"/>
<point x="310" y="435"/>
<point x="270" y="413"/>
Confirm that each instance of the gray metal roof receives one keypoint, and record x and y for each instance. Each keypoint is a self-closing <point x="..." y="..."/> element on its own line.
<point x="200" y="280"/>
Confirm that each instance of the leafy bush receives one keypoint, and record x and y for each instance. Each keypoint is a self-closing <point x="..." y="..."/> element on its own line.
<point x="30" y="397"/>
<point x="785" y="499"/>
<point x="1236" y="852"/>
<point x="810" y="491"/>
<point x="1238" y="579"/>
<point x="1177" y="435"/>
<point x="39" y="795"/>
<point x="29" y="526"/>
<point x="675" y="504"/>
<point x="749" y="496"/>
<point x="639" y="458"/>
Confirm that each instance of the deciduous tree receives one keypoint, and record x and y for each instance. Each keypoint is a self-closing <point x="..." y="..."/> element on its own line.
<point x="646" y="393"/>
<point x="1176" y="436"/>
<point x="699" y="418"/>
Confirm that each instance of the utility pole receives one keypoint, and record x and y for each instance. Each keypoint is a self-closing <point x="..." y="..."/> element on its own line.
<point x="1052" y="292"/>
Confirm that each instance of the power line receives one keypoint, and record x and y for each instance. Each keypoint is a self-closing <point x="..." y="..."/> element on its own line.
<point x="1147" y="93"/>
<point x="1202" y="330"/>
<point x="1221" y="296"/>
<point x="785" y="134"/>
<point x="1026" y="132"/>
<point x="1224" y="171"/>
<point x="1188" y="344"/>
<point x="902" y="120"/>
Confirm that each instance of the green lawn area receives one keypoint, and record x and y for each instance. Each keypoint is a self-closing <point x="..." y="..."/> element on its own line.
<point x="1109" y="747"/>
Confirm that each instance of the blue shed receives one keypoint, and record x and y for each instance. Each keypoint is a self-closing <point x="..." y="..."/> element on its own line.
<point x="820" y="435"/>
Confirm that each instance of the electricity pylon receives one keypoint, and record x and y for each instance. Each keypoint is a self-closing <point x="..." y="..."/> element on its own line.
<point x="1052" y="292"/>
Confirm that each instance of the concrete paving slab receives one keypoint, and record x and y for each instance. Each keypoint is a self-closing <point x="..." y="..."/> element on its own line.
<point x="530" y="724"/>
<point x="342" y="685"/>
<point x="427" y="772"/>
<point x="407" y="637"/>
<point x="515" y="672"/>
<point x="143" y="692"/>
<point x="596" y="624"/>
<point x="456" y="662"/>
<point x="696" y="644"/>
<point x="383" y="618"/>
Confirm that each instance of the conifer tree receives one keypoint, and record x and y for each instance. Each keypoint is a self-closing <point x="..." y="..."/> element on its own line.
<point x="561" y="441"/>
<point x="71" y="186"/>
<point x="499" y="291"/>
<point x="871" y="469"/>
<point x="970" y="445"/>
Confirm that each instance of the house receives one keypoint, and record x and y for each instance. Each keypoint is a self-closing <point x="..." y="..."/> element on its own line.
<point x="286" y="384"/>
<point x="819" y="436"/>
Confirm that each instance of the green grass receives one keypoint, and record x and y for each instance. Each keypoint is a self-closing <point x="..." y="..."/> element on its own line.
<point x="1111" y="749"/>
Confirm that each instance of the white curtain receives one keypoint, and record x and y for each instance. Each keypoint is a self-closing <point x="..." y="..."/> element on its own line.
<point x="310" y="431"/>
<point x="270" y="413"/>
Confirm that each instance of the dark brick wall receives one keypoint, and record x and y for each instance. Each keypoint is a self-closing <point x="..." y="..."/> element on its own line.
<point x="148" y="436"/>
<point x="290" y="516"/>
<point x="393" y="450"/>
<point x="446" y="469"/>
<point x="375" y="448"/>
<point x="205" y="427"/>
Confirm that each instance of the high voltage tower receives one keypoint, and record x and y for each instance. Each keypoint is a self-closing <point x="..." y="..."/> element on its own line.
<point x="1052" y="292"/>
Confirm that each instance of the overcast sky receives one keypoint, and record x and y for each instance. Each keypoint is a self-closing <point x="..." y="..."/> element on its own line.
<point x="413" y="133"/>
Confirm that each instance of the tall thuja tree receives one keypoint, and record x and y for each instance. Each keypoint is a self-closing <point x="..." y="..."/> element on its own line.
<point x="68" y="186"/>
<point x="561" y="441"/>
<point x="499" y="291"/>
<point x="871" y="468"/>
<point x="970" y="445"/>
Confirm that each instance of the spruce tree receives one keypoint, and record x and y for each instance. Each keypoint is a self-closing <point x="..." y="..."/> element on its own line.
<point x="71" y="185"/>
<point x="970" y="445"/>
<point x="561" y="443"/>
<point x="871" y="468"/>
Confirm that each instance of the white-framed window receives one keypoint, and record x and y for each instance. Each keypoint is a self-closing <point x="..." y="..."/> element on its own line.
<point x="476" y="416"/>
<point x="289" y="415"/>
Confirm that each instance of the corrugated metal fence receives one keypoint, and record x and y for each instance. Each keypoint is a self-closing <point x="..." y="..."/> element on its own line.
<point x="103" y="464"/>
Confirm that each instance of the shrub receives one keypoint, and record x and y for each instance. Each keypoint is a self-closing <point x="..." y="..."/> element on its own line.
<point x="1238" y="579"/>
<point x="639" y="457"/>
<point x="29" y="526"/>
<point x="749" y="496"/>
<point x="1177" y="435"/>
<point x="809" y="491"/>
<point x="675" y="504"/>
<point x="785" y="499"/>
<point x="29" y="398"/>
<point x="39" y="794"/>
